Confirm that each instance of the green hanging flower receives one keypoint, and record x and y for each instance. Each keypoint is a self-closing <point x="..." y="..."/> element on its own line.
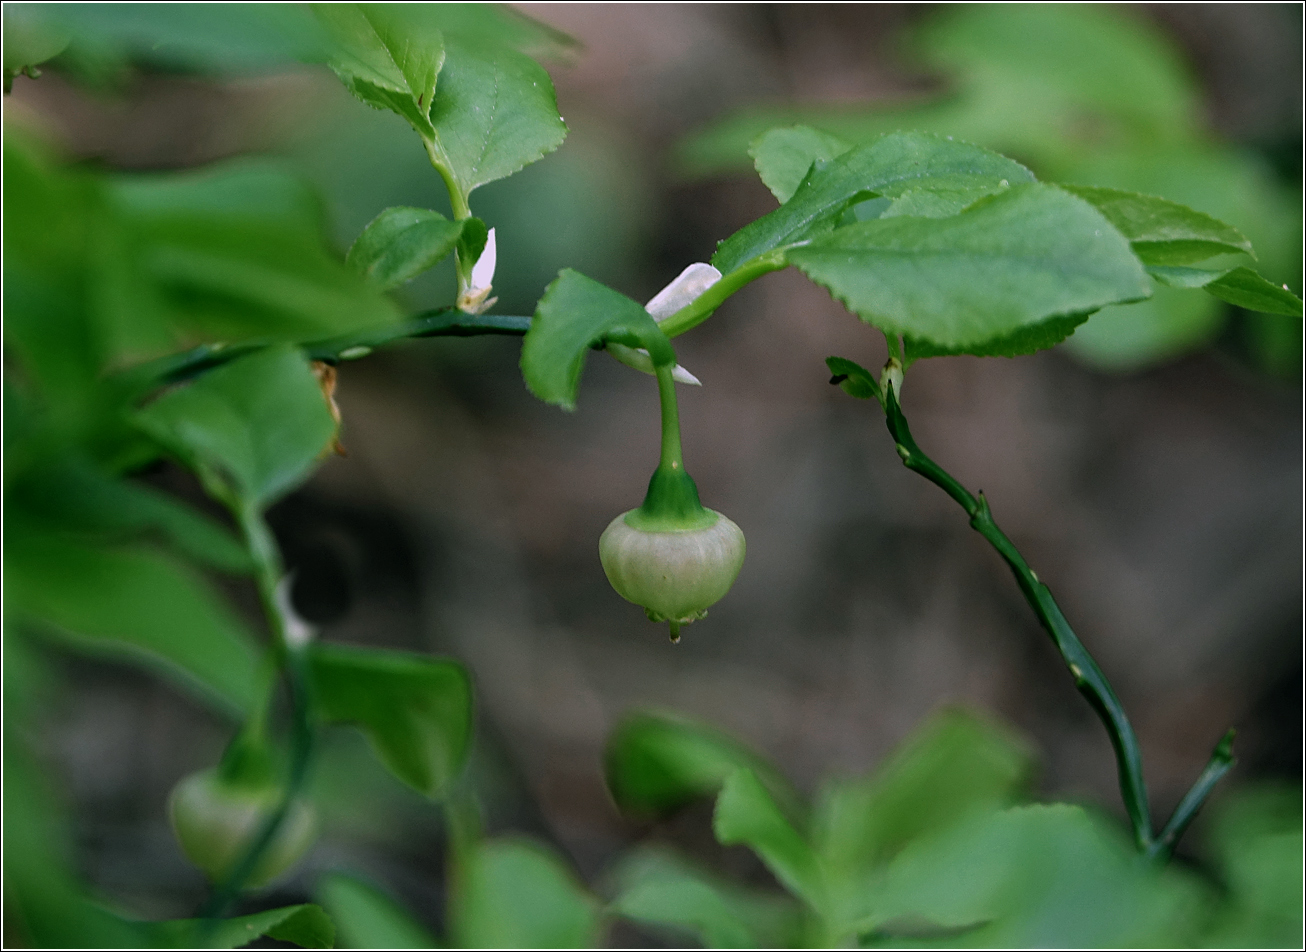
<point x="674" y="574"/>
<point x="672" y="556"/>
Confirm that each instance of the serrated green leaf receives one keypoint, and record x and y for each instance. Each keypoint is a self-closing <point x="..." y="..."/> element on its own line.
<point x="854" y="379"/>
<point x="931" y="203"/>
<point x="657" y="763"/>
<point x="415" y="710"/>
<point x="1170" y="322"/>
<point x="893" y="165"/>
<point x="574" y="314"/>
<point x="1012" y="260"/>
<point x="366" y="918"/>
<point x="783" y="157"/>
<point x="1026" y="340"/>
<point x="494" y="113"/>
<point x="515" y="894"/>
<point x="1229" y="184"/>
<point x="1163" y="232"/>
<point x="1033" y="876"/>
<point x="259" y="423"/>
<point x="747" y="814"/>
<point x="401" y="243"/>
<point x="389" y="55"/>
<point x="134" y="603"/>
<point x="1176" y="276"/>
<point x="1247" y="289"/>
<point x="658" y="888"/>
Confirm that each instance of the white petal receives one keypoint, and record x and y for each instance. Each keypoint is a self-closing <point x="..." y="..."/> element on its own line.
<point x="681" y="375"/>
<point x="684" y="290"/>
<point x="483" y="270"/>
<point x="298" y="631"/>
<point x="639" y="359"/>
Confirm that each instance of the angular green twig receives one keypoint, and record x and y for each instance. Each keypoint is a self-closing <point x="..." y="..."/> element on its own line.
<point x="1088" y="676"/>
<point x="1221" y="762"/>
<point x="1089" y="679"/>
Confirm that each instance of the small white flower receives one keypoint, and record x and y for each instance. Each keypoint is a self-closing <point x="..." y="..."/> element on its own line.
<point x="476" y="299"/>
<point x="683" y="291"/>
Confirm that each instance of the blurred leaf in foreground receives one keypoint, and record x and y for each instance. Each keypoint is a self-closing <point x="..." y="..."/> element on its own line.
<point x="657" y="763"/>
<point x="253" y="427"/>
<point x="659" y="889"/>
<point x="1033" y="876"/>
<point x="366" y="918"/>
<point x="515" y="894"/>
<point x="1257" y="842"/>
<point x="134" y="602"/>
<point x="415" y="710"/>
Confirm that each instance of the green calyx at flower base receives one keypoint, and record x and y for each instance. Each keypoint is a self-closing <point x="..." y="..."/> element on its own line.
<point x="671" y="556"/>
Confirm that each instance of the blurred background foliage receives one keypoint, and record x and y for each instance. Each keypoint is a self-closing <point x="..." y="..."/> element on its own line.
<point x="170" y="179"/>
<point x="1086" y="96"/>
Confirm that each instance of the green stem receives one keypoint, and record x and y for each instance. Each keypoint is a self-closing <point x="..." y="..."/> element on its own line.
<point x="672" y="458"/>
<point x="1221" y="762"/>
<point x="894" y="343"/>
<point x="292" y="658"/>
<point x="1089" y="679"/>
<point x="444" y="322"/>
<point x="672" y="502"/>
<point x="457" y="202"/>
<point x="701" y="308"/>
<point x="464" y="824"/>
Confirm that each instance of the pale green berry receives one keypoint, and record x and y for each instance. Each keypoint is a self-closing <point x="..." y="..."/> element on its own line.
<point x="216" y="821"/>
<point x="677" y="574"/>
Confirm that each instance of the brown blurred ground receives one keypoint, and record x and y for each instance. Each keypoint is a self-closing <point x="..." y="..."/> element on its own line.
<point x="1163" y="508"/>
